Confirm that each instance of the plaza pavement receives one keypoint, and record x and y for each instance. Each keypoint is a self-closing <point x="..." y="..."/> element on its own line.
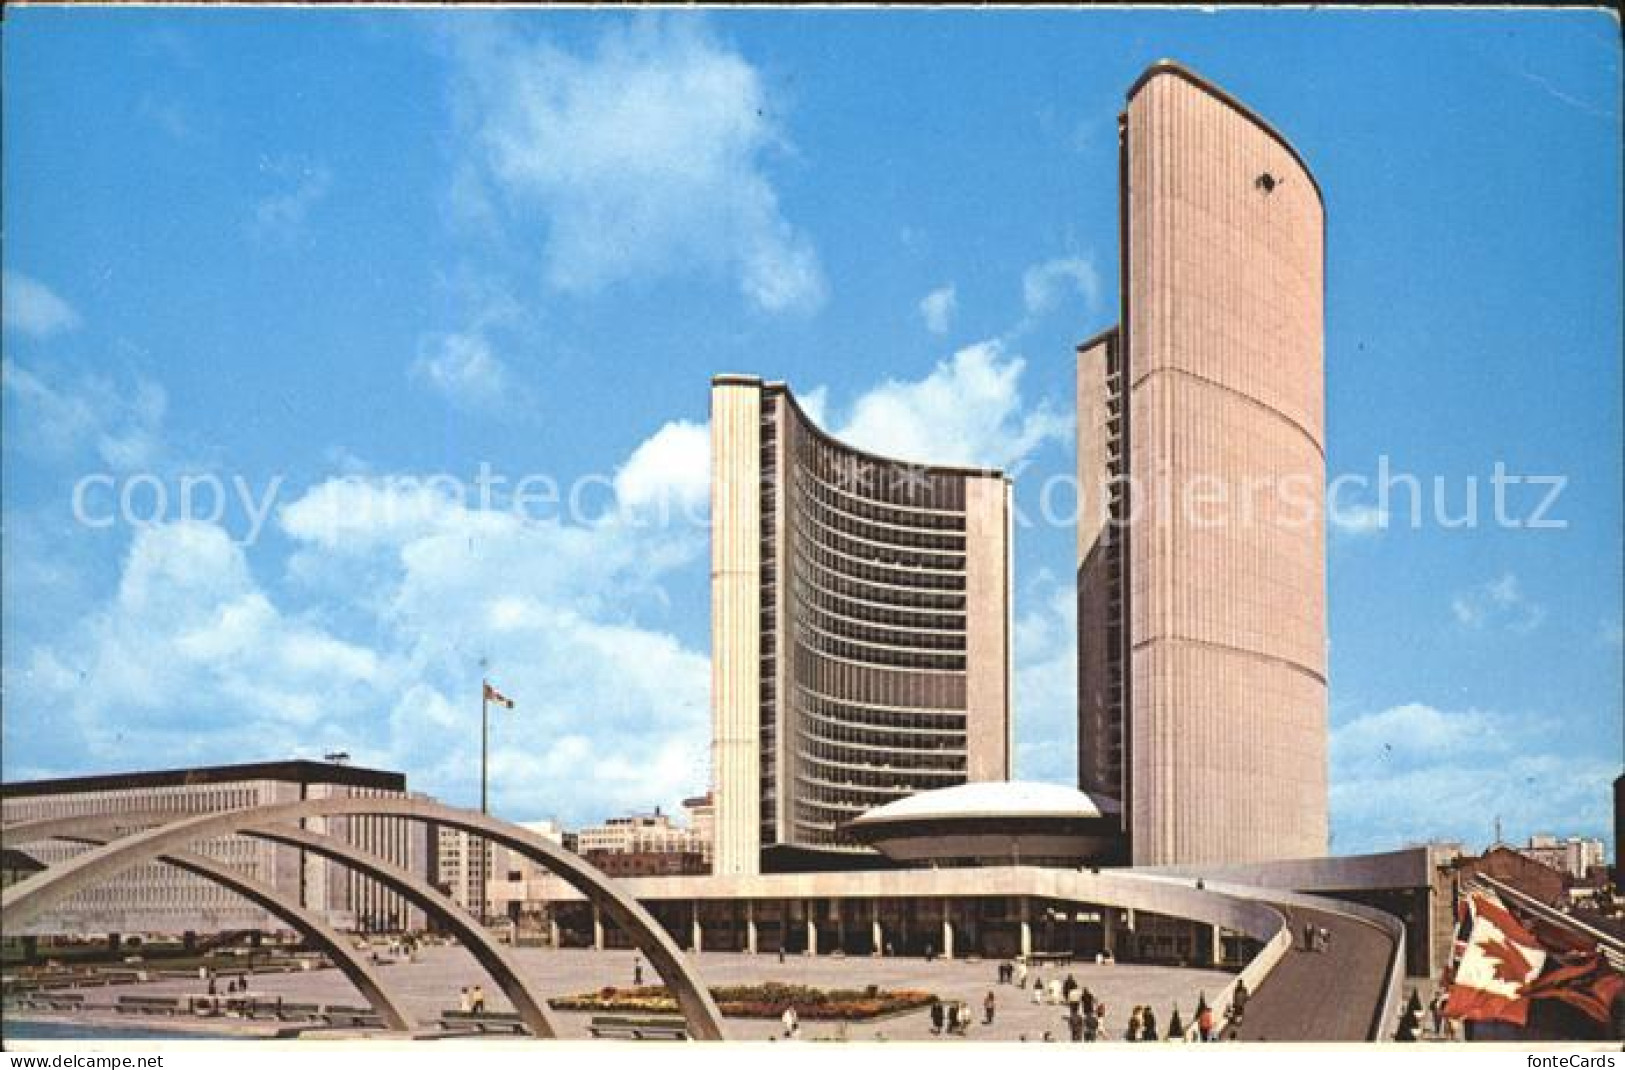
<point x="431" y="985"/>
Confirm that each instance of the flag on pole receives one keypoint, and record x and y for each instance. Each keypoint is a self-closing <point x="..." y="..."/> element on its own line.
<point x="1501" y="960"/>
<point x="493" y="695"/>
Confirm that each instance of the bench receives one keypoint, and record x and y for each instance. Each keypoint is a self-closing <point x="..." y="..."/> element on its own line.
<point x="625" y="1028"/>
<point x="354" y="1017"/>
<point x="283" y="1011"/>
<point x="52" y="1001"/>
<point x="148" y="1005"/>
<point x="483" y="1021"/>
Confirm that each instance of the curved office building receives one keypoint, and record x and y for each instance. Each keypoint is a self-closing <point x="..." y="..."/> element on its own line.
<point x="860" y="629"/>
<point x="1202" y="624"/>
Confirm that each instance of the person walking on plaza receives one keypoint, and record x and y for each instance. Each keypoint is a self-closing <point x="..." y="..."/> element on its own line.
<point x="936" y="1017"/>
<point x="1308" y="936"/>
<point x="1204" y="1020"/>
<point x="1091" y="1027"/>
<point x="1069" y="986"/>
<point x="465" y="1001"/>
<point x="1325" y="938"/>
<point x="1436" y="1009"/>
<point x="988" y="1006"/>
<point x="637" y="971"/>
<point x="1238" y="1002"/>
<point x="1055" y="991"/>
<point x="479" y="999"/>
<point x="1176" y="1027"/>
<point x="1148" y="1024"/>
<point x="1074" y="1024"/>
<point x="1021" y="973"/>
<point x="791" y="1022"/>
<point x="1132" y="1033"/>
<point x="1038" y="990"/>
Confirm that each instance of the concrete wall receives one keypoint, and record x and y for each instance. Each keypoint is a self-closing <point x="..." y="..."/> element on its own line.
<point x="735" y="621"/>
<point x="988" y="583"/>
<point x="1227" y="604"/>
<point x="1099" y="576"/>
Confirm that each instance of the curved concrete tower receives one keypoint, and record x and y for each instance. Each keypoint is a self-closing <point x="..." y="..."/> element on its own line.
<point x="1202" y="657"/>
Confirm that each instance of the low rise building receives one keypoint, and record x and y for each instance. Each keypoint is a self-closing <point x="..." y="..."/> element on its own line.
<point x="157" y="898"/>
<point x="1573" y="855"/>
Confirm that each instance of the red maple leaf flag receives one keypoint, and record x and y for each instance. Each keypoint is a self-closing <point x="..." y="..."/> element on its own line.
<point x="1583" y="980"/>
<point x="493" y="695"/>
<point x="1501" y="960"/>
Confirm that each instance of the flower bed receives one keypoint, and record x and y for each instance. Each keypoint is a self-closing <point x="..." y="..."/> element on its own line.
<point x="757" y="1001"/>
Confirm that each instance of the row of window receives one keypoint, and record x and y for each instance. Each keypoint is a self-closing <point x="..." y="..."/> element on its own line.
<point x="864" y="686"/>
<point x="851" y="498"/>
<point x="808" y="525"/>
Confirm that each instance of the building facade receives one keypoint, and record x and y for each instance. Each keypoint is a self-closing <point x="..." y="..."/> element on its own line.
<point x="1573" y="855"/>
<point x="860" y="628"/>
<point x="1201" y="467"/>
<point x="156" y="898"/>
<point x="654" y="833"/>
<point x="463" y="868"/>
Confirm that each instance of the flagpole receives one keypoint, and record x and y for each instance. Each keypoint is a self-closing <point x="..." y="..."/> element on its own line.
<point x="485" y="754"/>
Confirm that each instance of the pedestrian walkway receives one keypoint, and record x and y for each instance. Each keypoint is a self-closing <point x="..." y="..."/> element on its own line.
<point x="1330" y="995"/>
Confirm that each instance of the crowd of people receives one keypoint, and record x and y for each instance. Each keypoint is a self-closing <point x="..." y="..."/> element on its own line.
<point x="1087" y="1017"/>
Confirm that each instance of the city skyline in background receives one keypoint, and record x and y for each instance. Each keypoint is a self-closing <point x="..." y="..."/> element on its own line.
<point x="542" y="265"/>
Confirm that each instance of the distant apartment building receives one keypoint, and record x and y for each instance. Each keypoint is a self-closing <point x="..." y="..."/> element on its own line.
<point x="156" y="898"/>
<point x="860" y="629"/>
<point x="463" y="864"/>
<point x="649" y="834"/>
<point x="1573" y="855"/>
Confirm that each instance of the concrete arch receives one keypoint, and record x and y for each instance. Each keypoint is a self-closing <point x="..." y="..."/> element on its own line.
<point x="306" y="923"/>
<point x="491" y="955"/>
<point x="531" y="1007"/>
<point x="24" y="901"/>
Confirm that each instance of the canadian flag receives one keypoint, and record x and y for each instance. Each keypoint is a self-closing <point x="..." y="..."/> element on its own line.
<point x="493" y="695"/>
<point x="1493" y="976"/>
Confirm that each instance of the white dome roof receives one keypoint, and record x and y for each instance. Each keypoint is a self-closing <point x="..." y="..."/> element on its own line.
<point x="993" y="798"/>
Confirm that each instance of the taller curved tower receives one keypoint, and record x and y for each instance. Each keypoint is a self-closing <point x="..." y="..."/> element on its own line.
<point x="1201" y="551"/>
<point x="860" y="629"/>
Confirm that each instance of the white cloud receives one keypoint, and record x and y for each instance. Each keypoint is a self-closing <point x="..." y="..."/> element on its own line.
<point x="1498" y="603"/>
<point x="190" y="660"/>
<point x="646" y="158"/>
<point x="62" y="416"/>
<point x="1414" y="772"/>
<point x="967" y="411"/>
<point x="614" y="709"/>
<point x="33" y="308"/>
<point x="1356" y="520"/>
<point x="463" y="368"/>
<point x="1046" y="681"/>
<point x="671" y="469"/>
<point x="937" y="308"/>
<point x="1044" y="286"/>
<point x="405" y="586"/>
<point x="282" y="215"/>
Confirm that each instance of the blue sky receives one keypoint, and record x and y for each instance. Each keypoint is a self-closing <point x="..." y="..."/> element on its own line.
<point x="327" y="255"/>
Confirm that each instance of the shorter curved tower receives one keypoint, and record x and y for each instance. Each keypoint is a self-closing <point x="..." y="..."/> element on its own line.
<point x="860" y="628"/>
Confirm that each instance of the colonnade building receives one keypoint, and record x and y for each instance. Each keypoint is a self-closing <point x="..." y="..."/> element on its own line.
<point x="860" y="630"/>
<point x="1201" y="468"/>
